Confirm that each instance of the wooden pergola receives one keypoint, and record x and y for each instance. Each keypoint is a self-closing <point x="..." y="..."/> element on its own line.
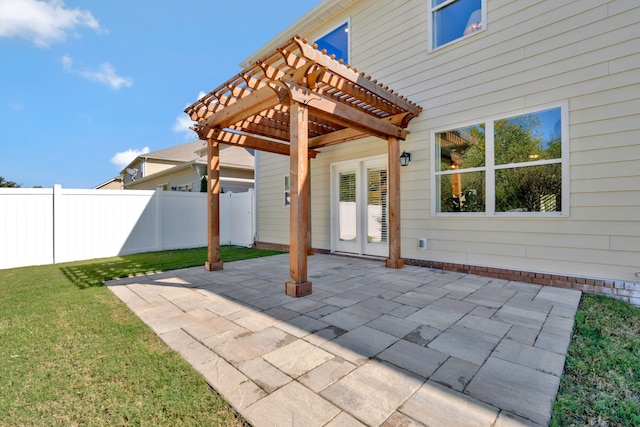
<point x="294" y="102"/>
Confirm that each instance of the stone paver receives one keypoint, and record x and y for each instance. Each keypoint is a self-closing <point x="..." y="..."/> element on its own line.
<point x="359" y="345"/>
<point x="466" y="344"/>
<point x="455" y="373"/>
<point x="412" y="357"/>
<point x="369" y="347"/>
<point x="436" y="405"/>
<point x="501" y="383"/>
<point x="288" y="359"/>
<point x="373" y="391"/>
<point x="326" y="374"/>
<point x="291" y="405"/>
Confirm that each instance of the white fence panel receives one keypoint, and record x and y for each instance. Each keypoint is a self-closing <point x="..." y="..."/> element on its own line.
<point x="225" y="218"/>
<point x="183" y="219"/>
<point x="242" y="218"/>
<point x="26" y="227"/>
<point x="96" y="224"/>
<point x="44" y="226"/>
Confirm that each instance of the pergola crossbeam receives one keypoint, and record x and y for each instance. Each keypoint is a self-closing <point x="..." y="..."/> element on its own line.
<point x="246" y="141"/>
<point x="349" y="116"/>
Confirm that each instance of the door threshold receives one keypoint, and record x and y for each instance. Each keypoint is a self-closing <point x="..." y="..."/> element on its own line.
<point x="352" y="255"/>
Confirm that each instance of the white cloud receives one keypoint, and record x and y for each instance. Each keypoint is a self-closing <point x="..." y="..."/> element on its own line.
<point x="182" y="123"/>
<point x="123" y="158"/>
<point x="41" y="22"/>
<point x="106" y="74"/>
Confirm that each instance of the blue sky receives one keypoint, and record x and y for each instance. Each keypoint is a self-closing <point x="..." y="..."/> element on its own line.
<point x="87" y="85"/>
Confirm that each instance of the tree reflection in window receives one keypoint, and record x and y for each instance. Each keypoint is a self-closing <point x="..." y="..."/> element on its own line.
<point x="528" y="153"/>
<point x="526" y="165"/>
<point x="462" y="151"/>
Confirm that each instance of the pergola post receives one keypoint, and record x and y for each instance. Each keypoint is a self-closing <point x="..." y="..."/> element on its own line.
<point x="213" y="197"/>
<point x="298" y="286"/>
<point x="394" y="260"/>
<point x="310" y="250"/>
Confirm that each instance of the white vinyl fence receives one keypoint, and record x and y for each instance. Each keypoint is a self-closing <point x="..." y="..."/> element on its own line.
<point x="48" y="226"/>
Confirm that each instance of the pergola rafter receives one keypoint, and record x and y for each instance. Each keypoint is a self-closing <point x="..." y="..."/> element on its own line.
<point x="295" y="101"/>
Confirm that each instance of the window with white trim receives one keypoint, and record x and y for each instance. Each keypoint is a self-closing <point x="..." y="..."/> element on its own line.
<point x="287" y="191"/>
<point x="184" y="188"/>
<point x="513" y="165"/>
<point x="336" y="43"/>
<point x="454" y="19"/>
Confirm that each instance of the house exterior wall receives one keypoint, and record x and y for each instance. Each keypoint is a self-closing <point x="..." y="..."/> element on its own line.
<point x="183" y="176"/>
<point x="232" y="180"/>
<point x="584" y="55"/>
<point x="153" y="166"/>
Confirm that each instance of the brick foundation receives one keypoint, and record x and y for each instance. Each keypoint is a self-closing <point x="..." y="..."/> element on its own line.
<point x="628" y="291"/>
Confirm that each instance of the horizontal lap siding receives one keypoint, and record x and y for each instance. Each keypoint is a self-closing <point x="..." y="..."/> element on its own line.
<point x="273" y="216"/>
<point x="533" y="53"/>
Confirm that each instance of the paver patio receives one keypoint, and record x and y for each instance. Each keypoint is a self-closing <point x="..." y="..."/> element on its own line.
<point x="371" y="346"/>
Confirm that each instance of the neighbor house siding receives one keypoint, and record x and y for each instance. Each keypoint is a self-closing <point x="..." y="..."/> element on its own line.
<point x="153" y="166"/>
<point x="583" y="54"/>
<point x="232" y="180"/>
<point x="182" y="177"/>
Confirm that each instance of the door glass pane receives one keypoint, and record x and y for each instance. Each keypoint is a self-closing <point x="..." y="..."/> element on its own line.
<point x="347" y="206"/>
<point x="377" y="205"/>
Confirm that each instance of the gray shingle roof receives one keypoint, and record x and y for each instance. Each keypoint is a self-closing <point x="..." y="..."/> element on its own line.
<point x="230" y="156"/>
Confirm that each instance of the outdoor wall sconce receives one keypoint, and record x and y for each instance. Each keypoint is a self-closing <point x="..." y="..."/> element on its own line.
<point x="405" y="158"/>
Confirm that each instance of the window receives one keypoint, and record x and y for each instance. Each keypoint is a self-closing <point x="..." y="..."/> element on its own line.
<point x="287" y="191"/>
<point x="508" y="165"/>
<point x="454" y="19"/>
<point x="336" y="43"/>
<point x="183" y="187"/>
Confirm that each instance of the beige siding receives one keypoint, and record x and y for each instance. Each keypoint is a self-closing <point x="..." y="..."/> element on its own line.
<point x="272" y="214"/>
<point x="533" y="53"/>
<point x="153" y="166"/>
<point x="234" y="180"/>
<point x="181" y="177"/>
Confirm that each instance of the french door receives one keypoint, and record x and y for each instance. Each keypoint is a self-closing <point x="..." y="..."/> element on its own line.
<point x="359" y="207"/>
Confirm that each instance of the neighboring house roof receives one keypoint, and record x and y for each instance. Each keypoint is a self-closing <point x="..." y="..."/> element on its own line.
<point x="179" y="157"/>
<point x="195" y="152"/>
<point x="114" y="183"/>
<point x="178" y="153"/>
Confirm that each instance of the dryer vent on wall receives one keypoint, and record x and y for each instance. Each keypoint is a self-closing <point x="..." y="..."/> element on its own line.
<point x="422" y="242"/>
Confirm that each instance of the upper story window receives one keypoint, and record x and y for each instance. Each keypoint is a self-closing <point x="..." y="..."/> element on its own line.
<point x="454" y="19"/>
<point x="336" y="43"/>
<point x="513" y="165"/>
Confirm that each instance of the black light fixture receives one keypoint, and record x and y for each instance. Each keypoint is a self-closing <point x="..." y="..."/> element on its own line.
<point x="405" y="158"/>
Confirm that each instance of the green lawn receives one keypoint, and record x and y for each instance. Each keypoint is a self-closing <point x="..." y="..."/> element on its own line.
<point x="601" y="384"/>
<point x="72" y="354"/>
